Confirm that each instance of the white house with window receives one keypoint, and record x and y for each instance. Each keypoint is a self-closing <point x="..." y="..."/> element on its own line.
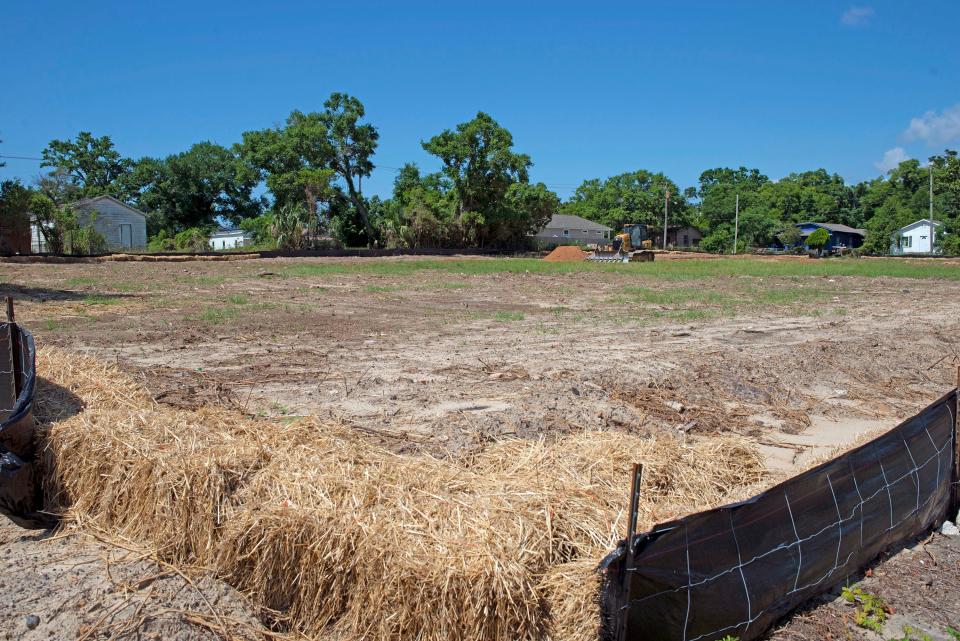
<point x="916" y="238"/>
<point x="230" y="239"/>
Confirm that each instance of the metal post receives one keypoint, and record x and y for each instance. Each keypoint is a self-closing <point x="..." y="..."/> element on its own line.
<point x="15" y="347"/>
<point x="930" y="167"/>
<point x="636" y="481"/>
<point x="666" y="201"/>
<point x="736" y="224"/>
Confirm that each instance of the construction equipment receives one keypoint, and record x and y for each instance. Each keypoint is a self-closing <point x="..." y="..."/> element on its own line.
<point x="633" y="245"/>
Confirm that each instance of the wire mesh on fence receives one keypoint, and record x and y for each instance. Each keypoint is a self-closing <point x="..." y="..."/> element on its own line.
<point x="736" y="570"/>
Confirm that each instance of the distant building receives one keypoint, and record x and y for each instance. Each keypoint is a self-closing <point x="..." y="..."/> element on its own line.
<point x="564" y="228"/>
<point x="122" y="226"/>
<point x="841" y="236"/>
<point x="15" y="235"/>
<point x="916" y="238"/>
<point x="682" y="237"/>
<point x="230" y="239"/>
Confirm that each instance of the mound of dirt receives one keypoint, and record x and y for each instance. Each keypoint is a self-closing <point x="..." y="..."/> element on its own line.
<point x="566" y="254"/>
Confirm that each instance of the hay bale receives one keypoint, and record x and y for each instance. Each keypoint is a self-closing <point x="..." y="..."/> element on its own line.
<point x="571" y="594"/>
<point x="342" y="538"/>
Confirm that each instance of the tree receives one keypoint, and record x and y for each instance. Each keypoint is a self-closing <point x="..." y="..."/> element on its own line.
<point x="316" y="158"/>
<point x="633" y="197"/>
<point x="479" y="161"/>
<point x="818" y="239"/>
<point x="94" y="166"/>
<point x="352" y="145"/>
<point x="197" y="186"/>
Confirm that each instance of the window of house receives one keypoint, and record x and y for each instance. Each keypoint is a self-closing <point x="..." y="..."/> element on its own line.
<point x="906" y="242"/>
<point x="686" y="240"/>
<point x="566" y="232"/>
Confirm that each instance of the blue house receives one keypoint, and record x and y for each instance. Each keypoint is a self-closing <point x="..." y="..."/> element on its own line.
<point x="841" y="236"/>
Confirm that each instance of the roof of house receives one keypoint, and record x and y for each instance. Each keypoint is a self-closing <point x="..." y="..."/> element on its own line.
<point x="836" y="227"/>
<point x="233" y="231"/>
<point x="566" y="221"/>
<point x="88" y="202"/>
<point x="921" y="222"/>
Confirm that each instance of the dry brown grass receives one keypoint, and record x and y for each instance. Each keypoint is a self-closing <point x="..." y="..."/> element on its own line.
<point x="344" y="538"/>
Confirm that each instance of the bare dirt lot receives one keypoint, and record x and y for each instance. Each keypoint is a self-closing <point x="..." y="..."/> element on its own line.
<point x="445" y="356"/>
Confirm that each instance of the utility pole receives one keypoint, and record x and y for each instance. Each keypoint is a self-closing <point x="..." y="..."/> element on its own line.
<point x="736" y="224"/>
<point x="666" y="201"/>
<point x="930" y="168"/>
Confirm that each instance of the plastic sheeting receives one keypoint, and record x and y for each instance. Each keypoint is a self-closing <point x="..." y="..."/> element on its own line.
<point x="21" y="493"/>
<point x="737" y="569"/>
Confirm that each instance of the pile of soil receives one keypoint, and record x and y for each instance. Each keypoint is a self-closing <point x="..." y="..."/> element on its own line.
<point x="566" y="254"/>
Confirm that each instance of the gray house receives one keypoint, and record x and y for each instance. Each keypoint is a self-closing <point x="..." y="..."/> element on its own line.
<point x="123" y="226"/>
<point x="564" y="228"/>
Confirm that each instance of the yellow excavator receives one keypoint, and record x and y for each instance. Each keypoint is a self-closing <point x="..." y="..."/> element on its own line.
<point x="632" y="245"/>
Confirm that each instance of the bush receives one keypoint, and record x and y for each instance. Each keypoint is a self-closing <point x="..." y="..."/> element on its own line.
<point x="818" y="239"/>
<point x="192" y="240"/>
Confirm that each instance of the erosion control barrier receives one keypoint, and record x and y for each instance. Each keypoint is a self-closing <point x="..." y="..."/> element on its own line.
<point x="21" y="494"/>
<point x="737" y="569"/>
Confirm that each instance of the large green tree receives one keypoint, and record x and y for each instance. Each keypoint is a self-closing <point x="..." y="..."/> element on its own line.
<point x="196" y="187"/>
<point x="94" y="166"/>
<point x="317" y="157"/>
<point x="633" y="197"/>
<point x="479" y="161"/>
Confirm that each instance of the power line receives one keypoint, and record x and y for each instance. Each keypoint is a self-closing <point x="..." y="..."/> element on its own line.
<point x="20" y="157"/>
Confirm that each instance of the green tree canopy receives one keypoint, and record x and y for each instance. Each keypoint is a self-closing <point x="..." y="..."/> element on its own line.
<point x="93" y="164"/>
<point x="197" y="186"/>
<point x="633" y="197"/>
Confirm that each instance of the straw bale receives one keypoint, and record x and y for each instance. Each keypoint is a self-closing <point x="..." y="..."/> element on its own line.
<point x="343" y="538"/>
<point x="571" y="594"/>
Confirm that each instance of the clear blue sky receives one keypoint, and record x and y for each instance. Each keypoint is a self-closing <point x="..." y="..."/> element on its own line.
<point x="587" y="89"/>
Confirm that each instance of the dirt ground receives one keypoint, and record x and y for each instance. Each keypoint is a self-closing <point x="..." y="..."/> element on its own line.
<point x="443" y="357"/>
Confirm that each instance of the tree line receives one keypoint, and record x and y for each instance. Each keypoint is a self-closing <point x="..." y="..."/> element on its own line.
<point x="300" y="185"/>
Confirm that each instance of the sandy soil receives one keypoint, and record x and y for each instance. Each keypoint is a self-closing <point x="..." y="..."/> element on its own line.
<point x="441" y="361"/>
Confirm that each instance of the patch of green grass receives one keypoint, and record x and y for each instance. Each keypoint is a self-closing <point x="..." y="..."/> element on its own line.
<point x="508" y="317"/>
<point x="204" y="280"/>
<point x="53" y="325"/>
<point x="126" y="287"/>
<point x="100" y="299"/>
<point x="80" y="281"/>
<point x="238" y="299"/>
<point x="379" y="289"/>
<point x="662" y="270"/>
<point x="216" y="315"/>
<point x="912" y="634"/>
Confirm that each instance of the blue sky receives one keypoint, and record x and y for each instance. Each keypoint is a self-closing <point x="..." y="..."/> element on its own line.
<point x="587" y="89"/>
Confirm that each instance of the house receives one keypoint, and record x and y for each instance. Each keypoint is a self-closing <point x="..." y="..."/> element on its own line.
<point x="230" y="239"/>
<point x="564" y="228"/>
<point x="683" y="237"/>
<point x="841" y="236"/>
<point x="916" y="238"/>
<point x="122" y="226"/>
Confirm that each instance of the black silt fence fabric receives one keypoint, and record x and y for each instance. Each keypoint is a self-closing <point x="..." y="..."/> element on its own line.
<point x="21" y="494"/>
<point x="737" y="569"/>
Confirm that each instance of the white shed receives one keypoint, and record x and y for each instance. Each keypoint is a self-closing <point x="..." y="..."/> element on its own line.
<point x="230" y="239"/>
<point x="122" y="226"/>
<point x="916" y="238"/>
